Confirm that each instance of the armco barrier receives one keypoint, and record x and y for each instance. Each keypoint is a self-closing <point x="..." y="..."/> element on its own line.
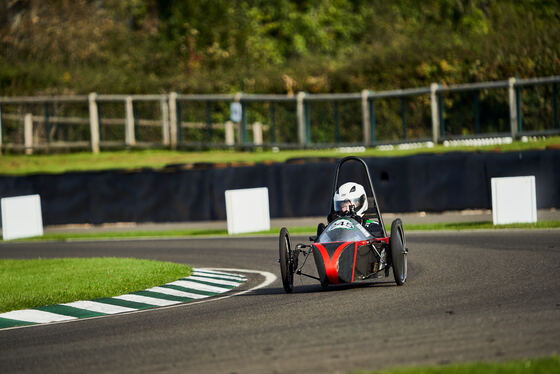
<point x="428" y="182"/>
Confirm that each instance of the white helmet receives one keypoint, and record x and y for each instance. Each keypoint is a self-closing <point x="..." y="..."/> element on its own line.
<point x="350" y="194"/>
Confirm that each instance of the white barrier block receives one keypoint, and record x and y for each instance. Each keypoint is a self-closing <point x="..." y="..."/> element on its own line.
<point x="514" y="200"/>
<point x="247" y="210"/>
<point x="21" y="217"/>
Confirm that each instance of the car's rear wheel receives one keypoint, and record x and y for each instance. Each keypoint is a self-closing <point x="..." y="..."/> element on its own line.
<point x="399" y="252"/>
<point x="286" y="261"/>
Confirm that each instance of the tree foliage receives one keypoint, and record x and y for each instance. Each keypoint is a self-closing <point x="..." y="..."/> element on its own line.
<point x="216" y="46"/>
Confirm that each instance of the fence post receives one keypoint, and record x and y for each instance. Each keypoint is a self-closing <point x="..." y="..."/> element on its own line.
<point x="28" y="133"/>
<point x="93" y="122"/>
<point x="513" y="120"/>
<point x="47" y="124"/>
<point x="554" y="110"/>
<point x="173" y="119"/>
<point x="164" y="121"/>
<point x="518" y="110"/>
<point x="257" y="133"/>
<point x="129" y="135"/>
<point x="372" y="135"/>
<point x="209" y="130"/>
<point x="242" y="124"/>
<point x="336" y="123"/>
<point x="300" y="111"/>
<point x="403" y="116"/>
<point x="1" y="129"/>
<point x="435" y="112"/>
<point x="476" y="112"/>
<point x="365" y="117"/>
<point x="307" y="112"/>
<point x="230" y="137"/>
<point x="272" y="123"/>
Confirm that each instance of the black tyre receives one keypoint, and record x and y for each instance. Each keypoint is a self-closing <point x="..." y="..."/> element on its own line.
<point x="399" y="252"/>
<point x="286" y="261"/>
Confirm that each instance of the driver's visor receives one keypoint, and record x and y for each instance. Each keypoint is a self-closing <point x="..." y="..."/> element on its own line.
<point x="344" y="205"/>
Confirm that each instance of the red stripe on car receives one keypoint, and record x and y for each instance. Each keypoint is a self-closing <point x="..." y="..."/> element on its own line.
<point x="331" y="263"/>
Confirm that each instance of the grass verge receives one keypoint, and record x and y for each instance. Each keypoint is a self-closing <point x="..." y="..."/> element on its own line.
<point x="17" y="164"/>
<point x="531" y="366"/>
<point x="483" y="225"/>
<point x="38" y="282"/>
<point x="305" y="230"/>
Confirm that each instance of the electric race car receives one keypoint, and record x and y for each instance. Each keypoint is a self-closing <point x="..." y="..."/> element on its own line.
<point x="354" y="246"/>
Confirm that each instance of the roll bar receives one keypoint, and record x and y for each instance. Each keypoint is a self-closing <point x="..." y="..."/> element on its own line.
<point x="374" y="198"/>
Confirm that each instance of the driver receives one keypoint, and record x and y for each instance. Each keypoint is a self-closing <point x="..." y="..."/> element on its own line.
<point x="350" y="200"/>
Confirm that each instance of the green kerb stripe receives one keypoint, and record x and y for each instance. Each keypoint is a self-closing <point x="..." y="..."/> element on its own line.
<point x="163" y="296"/>
<point x="70" y="311"/>
<point x="125" y="303"/>
<point x="184" y="289"/>
<point x="6" y="322"/>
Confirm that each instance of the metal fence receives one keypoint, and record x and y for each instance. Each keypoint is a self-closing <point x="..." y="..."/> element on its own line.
<point x="509" y="108"/>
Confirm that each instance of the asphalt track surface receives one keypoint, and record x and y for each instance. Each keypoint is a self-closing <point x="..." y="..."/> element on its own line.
<point x="470" y="296"/>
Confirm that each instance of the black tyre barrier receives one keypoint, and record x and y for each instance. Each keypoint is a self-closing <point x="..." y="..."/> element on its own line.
<point x="427" y="182"/>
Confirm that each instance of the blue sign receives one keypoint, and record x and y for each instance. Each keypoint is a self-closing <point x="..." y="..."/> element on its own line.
<point x="235" y="112"/>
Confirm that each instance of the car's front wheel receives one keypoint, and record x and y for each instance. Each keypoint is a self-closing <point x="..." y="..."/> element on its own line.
<point x="399" y="252"/>
<point x="286" y="265"/>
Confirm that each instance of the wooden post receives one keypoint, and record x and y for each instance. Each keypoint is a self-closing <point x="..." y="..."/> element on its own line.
<point x="164" y="122"/>
<point x="230" y="137"/>
<point x="93" y="122"/>
<point x="28" y="133"/>
<point x="129" y="135"/>
<point x="173" y="119"/>
<point x="257" y="133"/>
<point x="301" y="119"/>
<point x="365" y="117"/>
<point x="513" y="119"/>
<point x="435" y="112"/>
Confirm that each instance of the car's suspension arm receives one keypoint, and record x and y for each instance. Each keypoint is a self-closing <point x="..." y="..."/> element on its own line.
<point x="305" y="249"/>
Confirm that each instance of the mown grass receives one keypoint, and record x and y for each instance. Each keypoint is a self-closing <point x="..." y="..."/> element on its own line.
<point x="18" y="164"/>
<point x="530" y="366"/>
<point x="302" y="230"/>
<point x="132" y="234"/>
<point x="38" y="282"/>
<point x="482" y="225"/>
